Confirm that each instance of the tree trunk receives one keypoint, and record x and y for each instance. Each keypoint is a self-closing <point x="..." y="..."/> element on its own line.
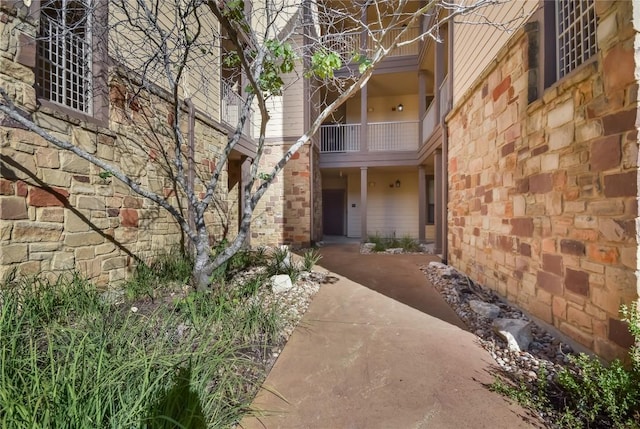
<point x="200" y="275"/>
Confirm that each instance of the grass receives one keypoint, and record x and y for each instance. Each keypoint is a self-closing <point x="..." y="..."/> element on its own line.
<point x="587" y="393"/>
<point x="71" y="359"/>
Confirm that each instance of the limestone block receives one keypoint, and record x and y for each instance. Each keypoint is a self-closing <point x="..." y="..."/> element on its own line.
<point x="73" y="163"/>
<point x="561" y="114"/>
<point x="63" y="261"/>
<point x="280" y="283"/>
<point x="93" y="203"/>
<point x="561" y="137"/>
<point x="83" y="239"/>
<point x="56" y="177"/>
<point x="84" y="140"/>
<point x="12" y="208"/>
<point x="516" y="332"/>
<point x="114" y="263"/>
<point x="76" y="222"/>
<point x="13" y="253"/>
<point x="28" y="232"/>
<point x="50" y="214"/>
<point x="47" y="158"/>
<point x="104" y="249"/>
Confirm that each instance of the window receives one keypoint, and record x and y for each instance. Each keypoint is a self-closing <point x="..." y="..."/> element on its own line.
<point x="575" y="34"/>
<point x="64" y="54"/>
<point x="431" y="200"/>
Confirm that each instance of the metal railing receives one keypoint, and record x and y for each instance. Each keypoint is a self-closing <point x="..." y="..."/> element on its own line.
<point x="231" y="109"/>
<point x="345" y="44"/>
<point x="339" y="138"/>
<point x="392" y="136"/>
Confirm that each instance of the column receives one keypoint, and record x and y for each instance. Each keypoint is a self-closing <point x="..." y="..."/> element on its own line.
<point x="438" y="76"/>
<point x="363" y="119"/>
<point x="422" y="103"/>
<point x="438" y="200"/>
<point x="422" y="203"/>
<point x="363" y="203"/>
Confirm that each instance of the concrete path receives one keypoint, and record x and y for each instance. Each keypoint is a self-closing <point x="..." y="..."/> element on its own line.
<point x="360" y="359"/>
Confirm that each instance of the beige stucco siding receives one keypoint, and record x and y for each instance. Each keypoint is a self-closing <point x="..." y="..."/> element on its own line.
<point x="391" y="211"/>
<point x="475" y="45"/>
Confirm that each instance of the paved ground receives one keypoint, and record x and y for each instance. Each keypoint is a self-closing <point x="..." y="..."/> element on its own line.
<point x="360" y="359"/>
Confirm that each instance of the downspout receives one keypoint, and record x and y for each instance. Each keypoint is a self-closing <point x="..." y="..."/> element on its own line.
<point x="445" y="151"/>
<point x="307" y="122"/>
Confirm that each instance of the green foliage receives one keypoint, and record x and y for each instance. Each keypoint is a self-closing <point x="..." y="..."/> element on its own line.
<point x="172" y="266"/>
<point x="70" y="359"/>
<point x="280" y="59"/>
<point x="599" y="393"/>
<point x="324" y="63"/>
<point x="104" y="175"/>
<point x="407" y="243"/>
<point x="282" y="263"/>
<point x="310" y="258"/>
<point x="363" y="62"/>
<point x="587" y="393"/>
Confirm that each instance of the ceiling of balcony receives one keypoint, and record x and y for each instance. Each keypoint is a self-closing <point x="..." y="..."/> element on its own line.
<point x="393" y="84"/>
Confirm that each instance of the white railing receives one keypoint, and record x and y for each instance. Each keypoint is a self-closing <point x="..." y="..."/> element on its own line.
<point x="392" y="136"/>
<point x="410" y="33"/>
<point x="444" y="97"/>
<point x="231" y="109"/>
<point x="346" y="45"/>
<point x="339" y="138"/>
<point x="429" y="121"/>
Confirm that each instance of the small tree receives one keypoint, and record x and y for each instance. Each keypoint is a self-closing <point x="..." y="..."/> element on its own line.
<point x="172" y="48"/>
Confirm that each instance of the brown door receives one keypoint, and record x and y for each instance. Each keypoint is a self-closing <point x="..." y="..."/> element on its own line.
<point x="333" y="211"/>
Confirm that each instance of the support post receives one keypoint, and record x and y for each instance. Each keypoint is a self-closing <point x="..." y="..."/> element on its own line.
<point x="422" y="203"/>
<point x="363" y="203"/>
<point x="438" y="200"/>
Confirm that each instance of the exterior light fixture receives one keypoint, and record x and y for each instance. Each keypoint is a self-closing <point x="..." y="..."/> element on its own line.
<point x="398" y="183"/>
<point x="400" y="107"/>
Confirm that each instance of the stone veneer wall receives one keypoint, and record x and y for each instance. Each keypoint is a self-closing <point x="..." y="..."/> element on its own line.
<point x="543" y="195"/>
<point x="283" y="215"/>
<point x="56" y="212"/>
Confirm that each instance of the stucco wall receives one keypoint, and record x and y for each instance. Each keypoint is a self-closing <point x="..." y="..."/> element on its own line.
<point x="543" y="195"/>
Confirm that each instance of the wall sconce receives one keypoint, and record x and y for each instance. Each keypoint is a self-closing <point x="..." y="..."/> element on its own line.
<point x="400" y="107"/>
<point x="398" y="183"/>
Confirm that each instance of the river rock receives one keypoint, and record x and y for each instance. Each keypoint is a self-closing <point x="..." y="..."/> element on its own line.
<point x="516" y="332"/>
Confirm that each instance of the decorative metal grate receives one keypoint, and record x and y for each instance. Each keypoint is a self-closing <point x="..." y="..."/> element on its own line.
<point x="576" y="33"/>
<point x="64" y="55"/>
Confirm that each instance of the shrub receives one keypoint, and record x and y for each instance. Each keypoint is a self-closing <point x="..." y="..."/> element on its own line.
<point x="311" y="258"/>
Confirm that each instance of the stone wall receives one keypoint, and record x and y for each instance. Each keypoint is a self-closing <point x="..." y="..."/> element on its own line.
<point x="283" y="216"/>
<point x="543" y="194"/>
<point x="59" y="212"/>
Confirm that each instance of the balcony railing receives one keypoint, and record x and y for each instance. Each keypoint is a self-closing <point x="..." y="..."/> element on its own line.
<point x="347" y="44"/>
<point x="444" y="97"/>
<point x="381" y="136"/>
<point x="340" y="138"/>
<point x="392" y="136"/>
<point x="429" y="121"/>
<point x="410" y="33"/>
<point x="231" y="109"/>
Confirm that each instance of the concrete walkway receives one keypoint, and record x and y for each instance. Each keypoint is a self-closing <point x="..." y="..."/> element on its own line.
<point x="361" y="359"/>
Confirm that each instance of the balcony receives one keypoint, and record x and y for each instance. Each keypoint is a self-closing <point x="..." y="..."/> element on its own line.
<point x="347" y="44"/>
<point x="381" y="137"/>
<point x="231" y="109"/>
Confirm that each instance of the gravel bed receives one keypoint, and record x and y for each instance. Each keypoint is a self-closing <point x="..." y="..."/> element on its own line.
<point x="544" y="351"/>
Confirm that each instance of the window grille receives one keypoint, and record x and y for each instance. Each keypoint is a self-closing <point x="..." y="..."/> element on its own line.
<point x="576" y="34"/>
<point x="64" y="57"/>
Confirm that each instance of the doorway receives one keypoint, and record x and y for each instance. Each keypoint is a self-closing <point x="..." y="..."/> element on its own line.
<point x="333" y="211"/>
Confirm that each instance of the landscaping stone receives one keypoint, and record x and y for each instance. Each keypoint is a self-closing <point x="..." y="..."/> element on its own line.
<point x="280" y="283"/>
<point x="484" y="309"/>
<point x="516" y="332"/>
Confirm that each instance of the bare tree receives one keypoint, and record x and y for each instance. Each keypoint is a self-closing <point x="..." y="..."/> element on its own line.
<point x="171" y="49"/>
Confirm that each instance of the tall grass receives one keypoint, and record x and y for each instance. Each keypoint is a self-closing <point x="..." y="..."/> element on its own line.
<point x="70" y="359"/>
